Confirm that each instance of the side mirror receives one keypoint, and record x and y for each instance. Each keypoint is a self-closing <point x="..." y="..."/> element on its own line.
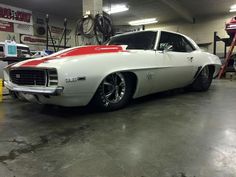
<point x="168" y="48"/>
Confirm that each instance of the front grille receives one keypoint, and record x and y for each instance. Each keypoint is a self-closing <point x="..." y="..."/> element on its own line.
<point x="29" y="77"/>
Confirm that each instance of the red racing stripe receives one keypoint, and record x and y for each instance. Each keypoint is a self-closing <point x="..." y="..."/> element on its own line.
<point x="86" y="50"/>
<point x="33" y="63"/>
<point x="92" y="50"/>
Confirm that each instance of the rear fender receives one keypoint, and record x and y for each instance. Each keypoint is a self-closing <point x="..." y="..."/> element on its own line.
<point x="214" y="69"/>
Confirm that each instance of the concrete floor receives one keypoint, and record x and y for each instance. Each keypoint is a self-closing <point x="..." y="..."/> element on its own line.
<point x="164" y="135"/>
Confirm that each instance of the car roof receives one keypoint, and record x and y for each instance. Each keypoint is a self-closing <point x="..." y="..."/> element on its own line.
<point x="173" y="33"/>
<point x="18" y="45"/>
<point x="151" y="31"/>
<point x="135" y="32"/>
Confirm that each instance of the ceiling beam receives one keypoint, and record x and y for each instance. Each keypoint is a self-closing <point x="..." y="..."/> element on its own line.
<point x="183" y="12"/>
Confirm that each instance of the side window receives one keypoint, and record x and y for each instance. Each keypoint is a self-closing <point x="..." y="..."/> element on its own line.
<point x="178" y="42"/>
<point x="188" y="46"/>
<point x="165" y="40"/>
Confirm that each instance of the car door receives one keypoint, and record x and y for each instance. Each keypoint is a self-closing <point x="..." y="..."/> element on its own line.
<point x="175" y="62"/>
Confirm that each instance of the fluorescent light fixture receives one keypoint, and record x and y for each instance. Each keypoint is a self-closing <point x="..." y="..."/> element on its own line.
<point x="231" y="27"/>
<point x="143" y="22"/>
<point x="116" y="9"/>
<point x="233" y="8"/>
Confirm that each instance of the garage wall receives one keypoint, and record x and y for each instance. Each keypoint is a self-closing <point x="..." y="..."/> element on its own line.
<point x="5" y="35"/>
<point x="202" y="31"/>
<point x="58" y="22"/>
<point x="54" y="21"/>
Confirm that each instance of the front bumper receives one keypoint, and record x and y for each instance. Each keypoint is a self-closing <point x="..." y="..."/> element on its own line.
<point x="34" y="90"/>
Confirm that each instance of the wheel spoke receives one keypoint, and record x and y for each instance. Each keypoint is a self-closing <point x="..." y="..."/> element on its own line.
<point x="117" y="96"/>
<point x="107" y="83"/>
<point x="109" y="94"/>
<point x="114" y="77"/>
<point x="122" y="84"/>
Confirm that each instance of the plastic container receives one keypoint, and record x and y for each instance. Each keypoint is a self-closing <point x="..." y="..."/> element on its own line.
<point x="10" y="49"/>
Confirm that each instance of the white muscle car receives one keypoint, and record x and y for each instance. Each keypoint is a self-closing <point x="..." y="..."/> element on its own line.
<point x="130" y="66"/>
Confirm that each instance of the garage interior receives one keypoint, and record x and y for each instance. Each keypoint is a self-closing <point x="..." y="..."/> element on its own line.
<point x="175" y="133"/>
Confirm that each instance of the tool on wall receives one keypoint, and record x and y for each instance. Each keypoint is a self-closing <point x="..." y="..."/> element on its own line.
<point x="11" y="37"/>
<point x="50" y="37"/>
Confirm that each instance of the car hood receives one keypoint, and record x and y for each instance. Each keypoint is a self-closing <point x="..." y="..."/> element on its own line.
<point x="72" y="53"/>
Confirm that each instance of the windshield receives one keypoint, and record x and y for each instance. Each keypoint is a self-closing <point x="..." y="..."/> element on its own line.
<point x="138" y="41"/>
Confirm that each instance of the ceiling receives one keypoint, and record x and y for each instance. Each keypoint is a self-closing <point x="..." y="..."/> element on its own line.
<point x="139" y="9"/>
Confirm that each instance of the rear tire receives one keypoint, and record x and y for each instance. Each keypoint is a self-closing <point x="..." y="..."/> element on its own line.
<point x="114" y="92"/>
<point x="204" y="80"/>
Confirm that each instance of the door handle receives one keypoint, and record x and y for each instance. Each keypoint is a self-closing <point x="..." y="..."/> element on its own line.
<point x="190" y="58"/>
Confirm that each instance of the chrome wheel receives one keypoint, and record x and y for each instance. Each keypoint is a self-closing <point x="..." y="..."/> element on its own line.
<point x="114" y="88"/>
<point x="114" y="92"/>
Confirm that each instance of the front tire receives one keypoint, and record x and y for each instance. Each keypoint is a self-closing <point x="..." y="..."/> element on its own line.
<point x="204" y="80"/>
<point x="114" y="92"/>
<point x="13" y="95"/>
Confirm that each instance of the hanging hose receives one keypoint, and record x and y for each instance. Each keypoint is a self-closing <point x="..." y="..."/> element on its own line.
<point x="85" y="26"/>
<point x="103" y="28"/>
<point x="89" y="27"/>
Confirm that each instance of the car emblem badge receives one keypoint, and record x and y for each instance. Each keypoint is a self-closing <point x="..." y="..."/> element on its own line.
<point x="75" y="79"/>
<point x="18" y="76"/>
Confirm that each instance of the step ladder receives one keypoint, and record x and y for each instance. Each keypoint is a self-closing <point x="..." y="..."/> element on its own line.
<point x="228" y="57"/>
